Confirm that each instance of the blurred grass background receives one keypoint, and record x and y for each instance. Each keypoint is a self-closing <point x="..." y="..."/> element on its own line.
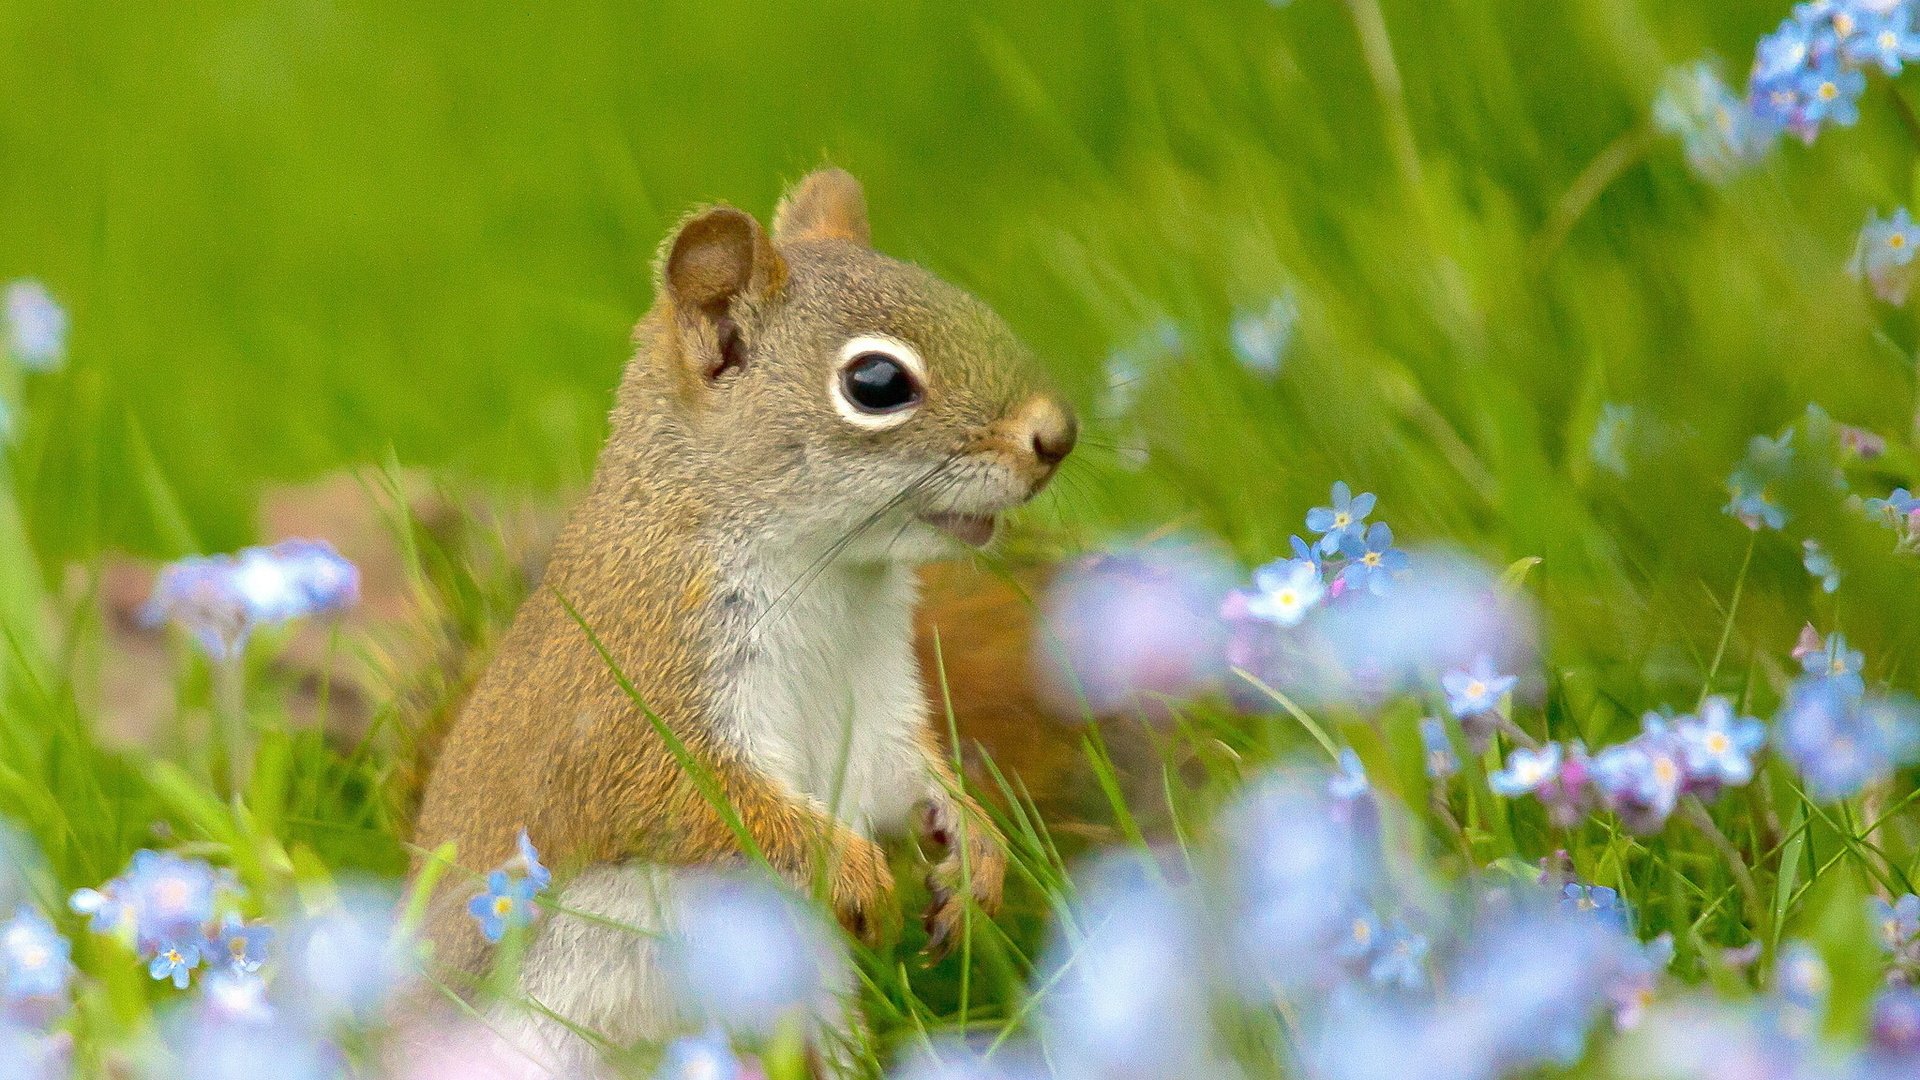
<point x="296" y="235"/>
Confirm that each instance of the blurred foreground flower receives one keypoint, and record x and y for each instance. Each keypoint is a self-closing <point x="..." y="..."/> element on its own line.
<point x="1716" y="128"/>
<point x="1139" y="623"/>
<point x="221" y="599"/>
<point x="36" y="326"/>
<point x="1129" y="1001"/>
<point x="1841" y="740"/>
<point x="749" y="958"/>
<point x="1262" y="336"/>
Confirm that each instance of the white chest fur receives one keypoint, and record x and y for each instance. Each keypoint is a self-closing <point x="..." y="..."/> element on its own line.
<point x="825" y="697"/>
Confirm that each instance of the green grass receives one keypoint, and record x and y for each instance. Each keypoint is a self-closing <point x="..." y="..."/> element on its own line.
<point x="300" y="237"/>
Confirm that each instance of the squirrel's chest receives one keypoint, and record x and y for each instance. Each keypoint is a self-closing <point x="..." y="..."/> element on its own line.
<point x="825" y="698"/>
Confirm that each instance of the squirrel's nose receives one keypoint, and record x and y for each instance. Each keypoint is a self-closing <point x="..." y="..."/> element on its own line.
<point x="1049" y="427"/>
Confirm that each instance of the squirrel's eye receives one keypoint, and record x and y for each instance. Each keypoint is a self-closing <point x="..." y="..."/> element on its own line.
<point x="878" y="383"/>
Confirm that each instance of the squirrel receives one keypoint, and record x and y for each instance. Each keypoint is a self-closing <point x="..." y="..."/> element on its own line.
<point x="805" y="422"/>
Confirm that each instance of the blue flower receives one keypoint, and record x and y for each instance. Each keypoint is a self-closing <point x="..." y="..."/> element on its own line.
<point x="36" y="326"/>
<point x="1285" y="591"/>
<point x="1596" y="901"/>
<point x="1372" y="560"/>
<point x="749" y="957"/>
<point x="1830" y="93"/>
<point x="1261" y="337"/>
<point x="1753" y="503"/>
<point x="530" y="862"/>
<point x="1883" y="39"/>
<point x="1897" y="924"/>
<point x="701" y="1057"/>
<point x="221" y="599"/>
<point x="1608" y="447"/>
<point x="1840" y="742"/>
<point x="1526" y="771"/>
<point x="1819" y="563"/>
<point x="1801" y="984"/>
<point x="171" y="898"/>
<point x="507" y="904"/>
<point x="1442" y="762"/>
<point x="35" y="962"/>
<point x="1477" y="690"/>
<point x="242" y="945"/>
<point x="105" y="914"/>
<point x="1399" y="959"/>
<point x="1883" y="255"/>
<point x="1346" y="517"/>
<point x="1718" y="133"/>
<point x="1641" y="780"/>
<point x="1838" y="663"/>
<point x="1350" y="782"/>
<point x="235" y="995"/>
<point x="1717" y="746"/>
<point x="1895" y="1025"/>
<point x="175" y="960"/>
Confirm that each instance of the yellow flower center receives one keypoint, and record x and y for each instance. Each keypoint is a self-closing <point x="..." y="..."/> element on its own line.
<point x="1664" y="770"/>
<point x="1718" y="743"/>
<point x="1371" y="558"/>
<point x="1838" y="666"/>
<point x="1889" y="40"/>
<point x="1476" y="688"/>
<point x="1828" y="91"/>
<point x="503" y="906"/>
<point x="238" y="947"/>
<point x="1897" y="241"/>
<point x="1843" y="24"/>
<point x="1341" y="521"/>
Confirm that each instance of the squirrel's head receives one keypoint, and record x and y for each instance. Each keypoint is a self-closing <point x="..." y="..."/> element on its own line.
<point x="832" y="395"/>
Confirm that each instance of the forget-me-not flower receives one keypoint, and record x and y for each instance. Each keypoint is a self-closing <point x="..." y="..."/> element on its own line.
<point x="1717" y="746"/>
<point x="1476" y="690"/>
<point x="36" y="326"/>
<point x="1262" y="336"/>
<point x="1526" y="771"/>
<point x="1346" y="517"/>
<point x="1883" y="255"/>
<point x="1442" y="761"/>
<point x="1285" y="591"/>
<point x="1372" y="560"/>
<point x="35" y="961"/>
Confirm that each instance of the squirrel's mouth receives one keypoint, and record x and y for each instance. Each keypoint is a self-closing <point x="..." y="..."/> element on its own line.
<point x="974" y="530"/>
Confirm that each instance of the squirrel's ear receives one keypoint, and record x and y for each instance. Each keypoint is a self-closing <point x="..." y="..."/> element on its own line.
<point x="827" y="205"/>
<point x="715" y="256"/>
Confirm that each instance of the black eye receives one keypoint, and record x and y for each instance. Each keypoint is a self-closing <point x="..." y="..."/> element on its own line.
<point x="878" y="383"/>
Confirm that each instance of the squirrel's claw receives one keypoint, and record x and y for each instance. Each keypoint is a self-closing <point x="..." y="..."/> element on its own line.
<point x="975" y="874"/>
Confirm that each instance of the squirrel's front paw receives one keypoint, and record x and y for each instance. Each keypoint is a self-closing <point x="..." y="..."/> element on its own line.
<point x="974" y="865"/>
<point x="862" y="887"/>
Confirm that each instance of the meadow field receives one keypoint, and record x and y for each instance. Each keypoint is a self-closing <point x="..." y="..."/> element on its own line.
<point x="1599" y="765"/>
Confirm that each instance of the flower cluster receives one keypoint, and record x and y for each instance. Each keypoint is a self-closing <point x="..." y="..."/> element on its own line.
<point x="221" y="599"/>
<point x="1643" y="779"/>
<point x="507" y="902"/>
<point x="1812" y="70"/>
<point x="1897" y="928"/>
<point x="179" y="915"/>
<point x="1717" y="130"/>
<point x="1755" y="484"/>
<point x="1346" y="554"/>
<point x="1836" y="735"/>
<point x="1899" y="511"/>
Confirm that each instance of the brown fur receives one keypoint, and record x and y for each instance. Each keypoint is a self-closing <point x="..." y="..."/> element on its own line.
<point x="549" y="740"/>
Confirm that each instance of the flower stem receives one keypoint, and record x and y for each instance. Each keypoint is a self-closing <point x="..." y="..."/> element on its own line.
<point x="230" y="720"/>
<point x="1742" y="874"/>
<point x="1726" y="631"/>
